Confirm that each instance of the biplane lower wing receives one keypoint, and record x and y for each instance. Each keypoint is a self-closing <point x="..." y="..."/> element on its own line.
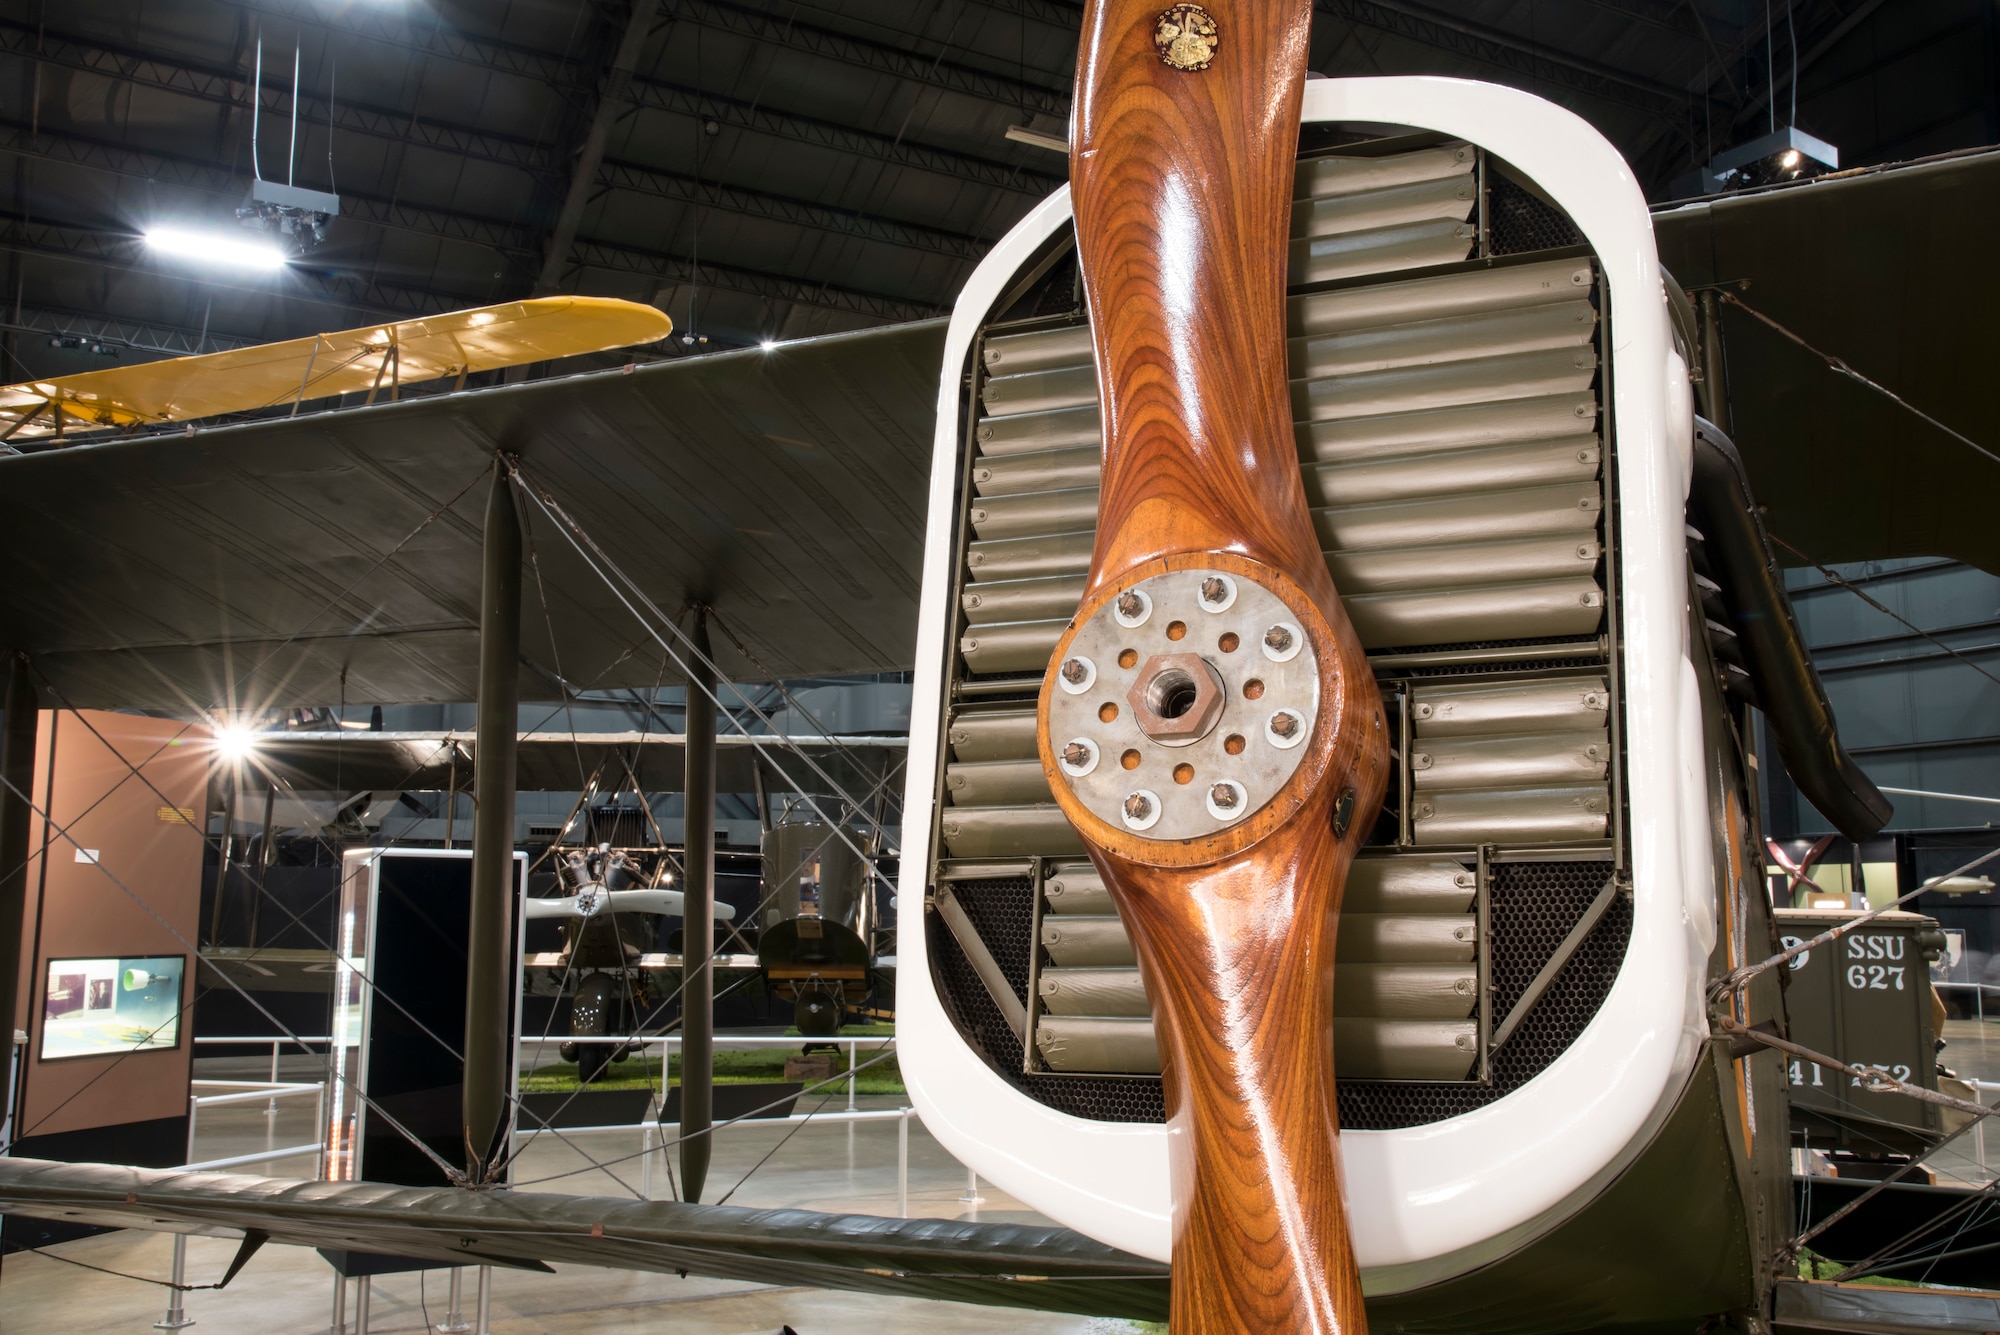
<point x="996" y="1265"/>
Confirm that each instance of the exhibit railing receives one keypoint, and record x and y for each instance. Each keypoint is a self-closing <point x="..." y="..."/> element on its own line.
<point x="247" y="1091"/>
<point x="669" y="1043"/>
<point x="648" y="1128"/>
<point x="1978" y="990"/>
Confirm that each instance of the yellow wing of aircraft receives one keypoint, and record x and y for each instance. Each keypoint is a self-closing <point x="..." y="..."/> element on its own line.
<point x="375" y="358"/>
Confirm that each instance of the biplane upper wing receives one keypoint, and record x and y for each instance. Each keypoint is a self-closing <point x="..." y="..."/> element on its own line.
<point x="1891" y="272"/>
<point x="272" y="563"/>
<point x="375" y="358"/>
<point x="998" y="1265"/>
<point x="337" y="557"/>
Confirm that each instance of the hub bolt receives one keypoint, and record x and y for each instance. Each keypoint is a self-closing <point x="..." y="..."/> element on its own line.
<point x="1138" y="806"/>
<point x="1284" y="723"/>
<point x="1213" y="590"/>
<point x="1075" y="671"/>
<point x="1277" y="639"/>
<point x="1223" y="795"/>
<point x="1076" y="753"/>
<point x="1130" y="604"/>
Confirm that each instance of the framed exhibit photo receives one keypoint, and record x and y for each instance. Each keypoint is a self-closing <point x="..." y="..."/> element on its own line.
<point x="99" y="1007"/>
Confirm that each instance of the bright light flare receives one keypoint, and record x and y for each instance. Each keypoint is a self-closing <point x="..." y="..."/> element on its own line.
<point x="209" y="248"/>
<point x="768" y="344"/>
<point x="1791" y="158"/>
<point x="235" y="742"/>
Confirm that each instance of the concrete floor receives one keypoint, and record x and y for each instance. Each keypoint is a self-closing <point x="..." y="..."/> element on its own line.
<point x="837" y="1168"/>
<point x="1972" y="1049"/>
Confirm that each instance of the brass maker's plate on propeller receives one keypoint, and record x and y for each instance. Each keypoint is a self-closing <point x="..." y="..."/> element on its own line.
<point x="1183" y="704"/>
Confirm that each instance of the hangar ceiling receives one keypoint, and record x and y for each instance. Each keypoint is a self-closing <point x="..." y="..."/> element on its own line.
<point x="761" y="170"/>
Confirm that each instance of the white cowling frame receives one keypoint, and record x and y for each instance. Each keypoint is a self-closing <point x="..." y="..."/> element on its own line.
<point x="1429" y="1201"/>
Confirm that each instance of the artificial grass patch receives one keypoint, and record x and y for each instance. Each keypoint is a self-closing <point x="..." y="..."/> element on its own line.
<point x="757" y="1066"/>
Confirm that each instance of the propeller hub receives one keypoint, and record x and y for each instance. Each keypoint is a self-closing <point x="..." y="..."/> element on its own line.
<point x="1197" y="687"/>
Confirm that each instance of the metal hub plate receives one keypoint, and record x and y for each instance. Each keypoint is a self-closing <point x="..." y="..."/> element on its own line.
<point x="1242" y="749"/>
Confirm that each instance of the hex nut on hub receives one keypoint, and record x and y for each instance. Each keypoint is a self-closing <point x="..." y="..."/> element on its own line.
<point x="1176" y="698"/>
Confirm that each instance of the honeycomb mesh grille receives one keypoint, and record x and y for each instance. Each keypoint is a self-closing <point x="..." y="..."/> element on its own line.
<point x="1001" y="910"/>
<point x="1518" y="221"/>
<point x="1487" y="669"/>
<point x="1533" y="906"/>
<point x="1056" y="294"/>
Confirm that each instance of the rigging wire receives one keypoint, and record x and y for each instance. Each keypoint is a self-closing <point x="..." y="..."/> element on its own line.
<point x="881" y="1056"/>
<point x="576" y="929"/>
<point x="1737" y="979"/>
<point x="379" y="991"/>
<point x="485" y="470"/>
<point x="782" y="1142"/>
<point x="1841" y="581"/>
<point x="451" y="1174"/>
<point x="1841" y="367"/>
<point x="1792" y="40"/>
<point x="578" y="539"/>
<point x="115" y="1274"/>
<point x="792" y="702"/>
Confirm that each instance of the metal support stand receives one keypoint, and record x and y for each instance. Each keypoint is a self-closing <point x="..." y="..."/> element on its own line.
<point x="646" y="1161"/>
<point x="698" y="924"/>
<point x="176" y="1317"/>
<point x="454" y="1322"/>
<point x="971" y="1196"/>
<point x="263" y="879"/>
<point x="364" y="1289"/>
<point x="489" y="966"/>
<point x="230" y="779"/>
<point x="339" y="1324"/>
<point x="903" y="1165"/>
<point x="485" y="1298"/>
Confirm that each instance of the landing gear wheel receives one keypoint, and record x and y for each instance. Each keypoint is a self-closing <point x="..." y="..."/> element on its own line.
<point x="590" y="1017"/>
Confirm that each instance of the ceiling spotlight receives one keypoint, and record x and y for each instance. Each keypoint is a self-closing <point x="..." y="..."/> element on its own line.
<point x="98" y="346"/>
<point x="206" y="248"/>
<point x="235" y="742"/>
<point x="1787" y="154"/>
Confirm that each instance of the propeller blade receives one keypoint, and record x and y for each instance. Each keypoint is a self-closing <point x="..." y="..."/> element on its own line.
<point x="565" y="907"/>
<point x="670" y="902"/>
<point x="1209" y="723"/>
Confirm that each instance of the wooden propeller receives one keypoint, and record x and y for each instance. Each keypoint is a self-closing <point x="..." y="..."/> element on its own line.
<point x="1209" y="723"/>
